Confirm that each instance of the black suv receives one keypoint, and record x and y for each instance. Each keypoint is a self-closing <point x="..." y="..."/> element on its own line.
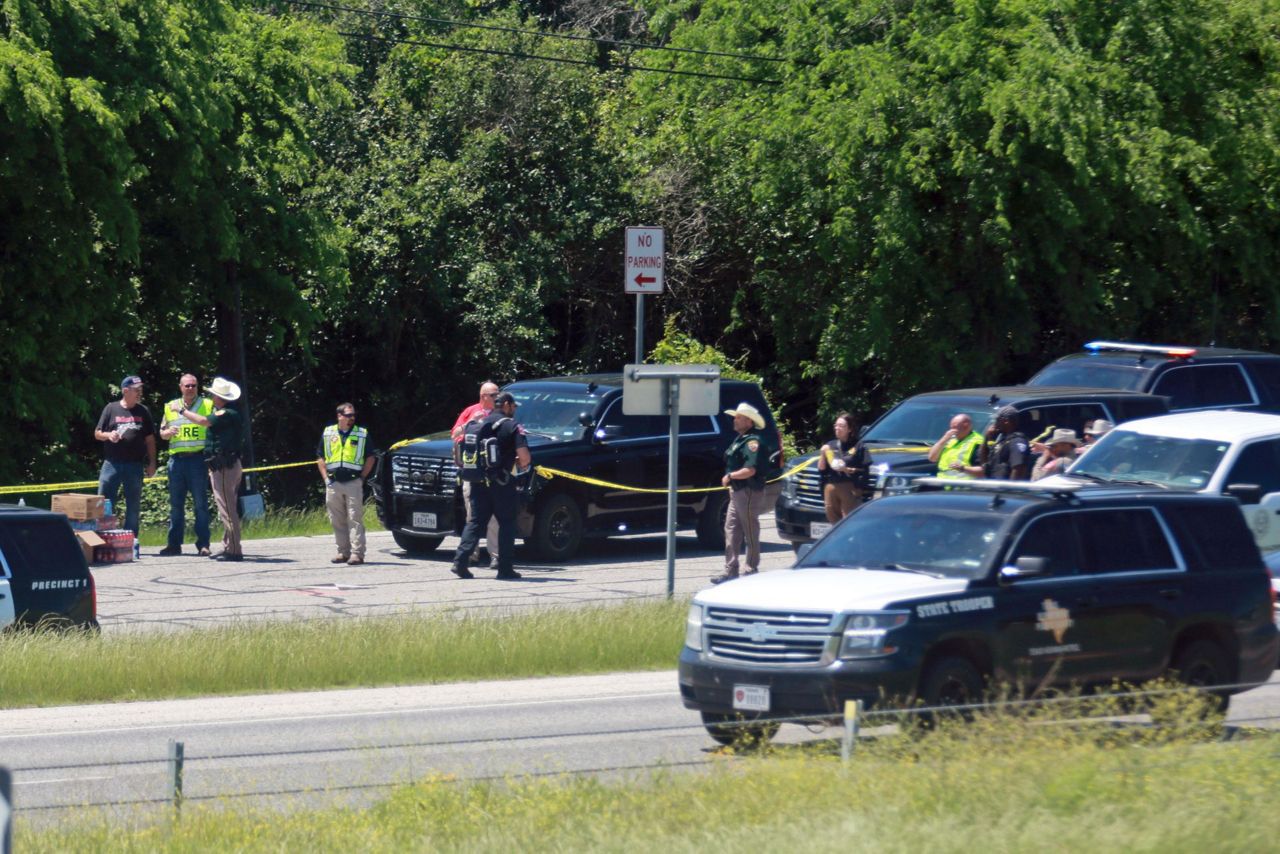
<point x="899" y="440"/>
<point x="44" y="579"/>
<point x="576" y="425"/>
<point x="937" y="594"/>
<point x="1191" y="377"/>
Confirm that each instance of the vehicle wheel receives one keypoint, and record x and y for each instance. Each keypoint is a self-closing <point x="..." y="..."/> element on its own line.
<point x="417" y="545"/>
<point x="736" y="729"/>
<point x="1203" y="663"/>
<point x="952" y="681"/>
<point x="557" y="528"/>
<point x="711" y="522"/>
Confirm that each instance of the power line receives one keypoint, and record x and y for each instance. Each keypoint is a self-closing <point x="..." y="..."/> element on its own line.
<point x="601" y="40"/>
<point x="626" y="66"/>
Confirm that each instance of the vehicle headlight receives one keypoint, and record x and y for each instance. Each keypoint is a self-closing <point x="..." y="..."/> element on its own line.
<point x="867" y="635"/>
<point x="693" y="628"/>
<point x="789" y="487"/>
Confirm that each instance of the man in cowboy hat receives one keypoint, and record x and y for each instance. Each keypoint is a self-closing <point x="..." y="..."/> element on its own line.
<point x="746" y="496"/>
<point x="222" y="454"/>
<point x="1092" y="432"/>
<point x="1060" y="452"/>
<point x="128" y="438"/>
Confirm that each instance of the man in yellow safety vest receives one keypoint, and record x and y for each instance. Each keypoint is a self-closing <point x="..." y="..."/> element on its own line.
<point x="345" y="457"/>
<point x="956" y="453"/>
<point x="186" y="468"/>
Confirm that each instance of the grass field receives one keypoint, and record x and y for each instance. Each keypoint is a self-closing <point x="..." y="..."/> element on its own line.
<point x="279" y="522"/>
<point x="42" y="669"/>
<point x="1004" y="784"/>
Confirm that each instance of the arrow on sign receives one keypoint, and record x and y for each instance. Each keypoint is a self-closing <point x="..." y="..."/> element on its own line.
<point x="643" y="280"/>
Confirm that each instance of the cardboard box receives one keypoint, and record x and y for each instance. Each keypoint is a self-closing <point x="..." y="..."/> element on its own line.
<point x="77" y="505"/>
<point x="89" y="540"/>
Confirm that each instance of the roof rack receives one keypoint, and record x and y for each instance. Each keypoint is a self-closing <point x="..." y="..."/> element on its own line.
<point x="1173" y="350"/>
<point x="1065" y="490"/>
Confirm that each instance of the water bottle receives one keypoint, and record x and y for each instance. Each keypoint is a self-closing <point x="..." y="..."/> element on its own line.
<point x="137" y="551"/>
<point x="22" y="502"/>
<point x="106" y="507"/>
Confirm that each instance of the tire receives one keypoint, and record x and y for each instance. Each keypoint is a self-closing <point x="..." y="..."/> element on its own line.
<point x="1203" y="663"/>
<point x="711" y="522"/>
<point x="951" y="681"/>
<point x="731" y="730"/>
<point x="417" y="545"/>
<point x="557" y="528"/>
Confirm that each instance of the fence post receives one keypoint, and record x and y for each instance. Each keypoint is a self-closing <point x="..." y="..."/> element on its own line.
<point x="176" y="754"/>
<point x="852" y="714"/>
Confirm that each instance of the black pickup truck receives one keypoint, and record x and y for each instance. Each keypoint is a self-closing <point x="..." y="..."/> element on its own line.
<point x="899" y="440"/>
<point x="576" y="425"/>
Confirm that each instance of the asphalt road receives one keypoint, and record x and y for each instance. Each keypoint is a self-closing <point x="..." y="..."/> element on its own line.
<point x="292" y="578"/>
<point x="289" y="751"/>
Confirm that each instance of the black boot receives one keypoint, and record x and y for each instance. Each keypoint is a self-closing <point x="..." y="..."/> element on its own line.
<point x="460" y="570"/>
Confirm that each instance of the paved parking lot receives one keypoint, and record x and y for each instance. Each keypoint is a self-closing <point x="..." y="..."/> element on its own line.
<point x="292" y="578"/>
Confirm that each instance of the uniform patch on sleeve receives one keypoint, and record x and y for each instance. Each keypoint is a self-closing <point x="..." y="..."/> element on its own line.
<point x="753" y="446"/>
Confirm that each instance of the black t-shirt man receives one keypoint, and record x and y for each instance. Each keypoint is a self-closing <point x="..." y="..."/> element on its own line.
<point x="510" y="435"/>
<point x="133" y="425"/>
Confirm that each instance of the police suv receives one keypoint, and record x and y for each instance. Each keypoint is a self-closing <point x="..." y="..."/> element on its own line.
<point x="1191" y="377"/>
<point x="937" y="594"/>
<point x="44" y="579"/>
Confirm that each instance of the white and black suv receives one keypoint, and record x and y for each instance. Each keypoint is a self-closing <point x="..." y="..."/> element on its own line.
<point x="44" y="580"/>
<point x="938" y="594"/>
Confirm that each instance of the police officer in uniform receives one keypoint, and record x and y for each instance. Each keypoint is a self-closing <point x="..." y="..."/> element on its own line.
<point x="746" y="493"/>
<point x="186" y="468"/>
<point x="345" y="457"/>
<point x="1006" y="453"/>
<point x="958" y="451"/>
<point x="496" y="495"/>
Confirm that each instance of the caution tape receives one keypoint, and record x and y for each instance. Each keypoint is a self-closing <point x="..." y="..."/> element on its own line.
<point x="93" y="484"/>
<point x="548" y="473"/>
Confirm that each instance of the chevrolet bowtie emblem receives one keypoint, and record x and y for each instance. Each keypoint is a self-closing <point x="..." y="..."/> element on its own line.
<point x="759" y="632"/>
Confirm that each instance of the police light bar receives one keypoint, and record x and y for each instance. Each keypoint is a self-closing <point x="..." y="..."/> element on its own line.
<point x="1121" y="346"/>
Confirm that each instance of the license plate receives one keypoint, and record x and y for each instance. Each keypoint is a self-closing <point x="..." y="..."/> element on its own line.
<point x="424" y="520"/>
<point x="751" y="698"/>
<point x="819" y="529"/>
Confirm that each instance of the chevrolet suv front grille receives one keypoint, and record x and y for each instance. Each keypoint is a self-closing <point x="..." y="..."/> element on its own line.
<point x="415" y="475"/>
<point x="778" y="638"/>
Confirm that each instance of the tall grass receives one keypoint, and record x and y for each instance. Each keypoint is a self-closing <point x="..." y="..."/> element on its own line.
<point x="40" y="669"/>
<point x="278" y="522"/>
<point x="1005" y="784"/>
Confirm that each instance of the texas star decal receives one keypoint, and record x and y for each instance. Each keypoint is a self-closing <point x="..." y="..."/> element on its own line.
<point x="1054" y="618"/>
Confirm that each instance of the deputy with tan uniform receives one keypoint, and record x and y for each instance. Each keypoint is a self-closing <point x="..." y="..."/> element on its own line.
<point x="746" y="495"/>
<point x="186" y="468"/>
<point x="345" y="457"/>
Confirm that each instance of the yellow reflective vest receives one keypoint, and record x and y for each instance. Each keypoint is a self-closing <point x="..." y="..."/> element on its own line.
<point x="191" y="436"/>
<point x="958" y="451"/>
<point x="342" y="455"/>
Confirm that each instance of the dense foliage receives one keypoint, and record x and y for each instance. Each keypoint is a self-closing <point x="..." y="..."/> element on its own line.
<point x="869" y="198"/>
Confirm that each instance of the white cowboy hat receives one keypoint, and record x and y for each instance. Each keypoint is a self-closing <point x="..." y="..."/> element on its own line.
<point x="224" y="388"/>
<point x="1099" y="427"/>
<point x="1063" y="436"/>
<point x="748" y="411"/>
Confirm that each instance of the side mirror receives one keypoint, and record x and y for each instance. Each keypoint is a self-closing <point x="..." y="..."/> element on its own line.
<point x="1245" y="493"/>
<point x="585" y="419"/>
<point x="607" y="432"/>
<point x="1027" y="566"/>
<point x="802" y="551"/>
<point x="862" y="431"/>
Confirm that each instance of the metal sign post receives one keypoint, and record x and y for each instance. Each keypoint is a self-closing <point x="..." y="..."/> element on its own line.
<point x="688" y="389"/>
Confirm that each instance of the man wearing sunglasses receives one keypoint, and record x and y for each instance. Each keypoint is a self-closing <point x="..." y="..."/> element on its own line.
<point x="345" y="457"/>
<point x="186" y="466"/>
<point x="477" y="412"/>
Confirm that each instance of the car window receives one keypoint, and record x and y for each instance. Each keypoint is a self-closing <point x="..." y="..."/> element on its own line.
<point x="1090" y="374"/>
<point x="1266" y="376"/>
<point x="1052" y="537"/>
<point x="1204" y="386"/>
<point x="1214" y="536"/>
<point x="1123" y="541"/>
<point x="1039" y="421"/>
<point x="40" y="548"/>
<point x="1259" y="462"/>
<point x="553" y="413"/>
<point x="923" y="420"/>
<point x="647" y="426"/>
<point x="1122" y="456"/>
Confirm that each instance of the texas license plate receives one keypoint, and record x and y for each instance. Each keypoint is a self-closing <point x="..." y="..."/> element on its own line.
<point x="751" y="698"/>
<point x="424" y="520"/>
<point x="818" y="529"/>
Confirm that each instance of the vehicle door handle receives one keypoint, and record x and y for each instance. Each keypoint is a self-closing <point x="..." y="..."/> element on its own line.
<point x="1171" y="593"/>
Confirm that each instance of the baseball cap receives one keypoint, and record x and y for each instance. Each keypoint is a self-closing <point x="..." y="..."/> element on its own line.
<point x="505" y="397"/>
<point x="130" y="381"/>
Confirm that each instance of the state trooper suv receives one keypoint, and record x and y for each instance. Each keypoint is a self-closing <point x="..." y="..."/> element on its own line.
<point x="575" y="424"/>
<point x="899" y="440"/>
<point x="936" y="594"/>
<point x="44" y="579"/>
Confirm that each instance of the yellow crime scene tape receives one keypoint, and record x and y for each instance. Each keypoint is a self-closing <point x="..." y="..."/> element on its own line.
<point x="93" y="484"/>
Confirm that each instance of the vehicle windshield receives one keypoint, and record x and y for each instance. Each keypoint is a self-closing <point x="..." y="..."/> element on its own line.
<point x="553" y="413"/>
<point x="1083" y="373"/>
<point x="887" y="534"/>
<point x="1124" y="456"/>
<point x="923" y="420"/>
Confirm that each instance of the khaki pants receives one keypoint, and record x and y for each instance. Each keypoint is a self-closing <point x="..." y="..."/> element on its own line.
<point x="840" y="499"/>
<point x="742" y="527"/>
<point x="225" y="483"/>
<point x="345" y="503"/>
<point x="491" y="533"/>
